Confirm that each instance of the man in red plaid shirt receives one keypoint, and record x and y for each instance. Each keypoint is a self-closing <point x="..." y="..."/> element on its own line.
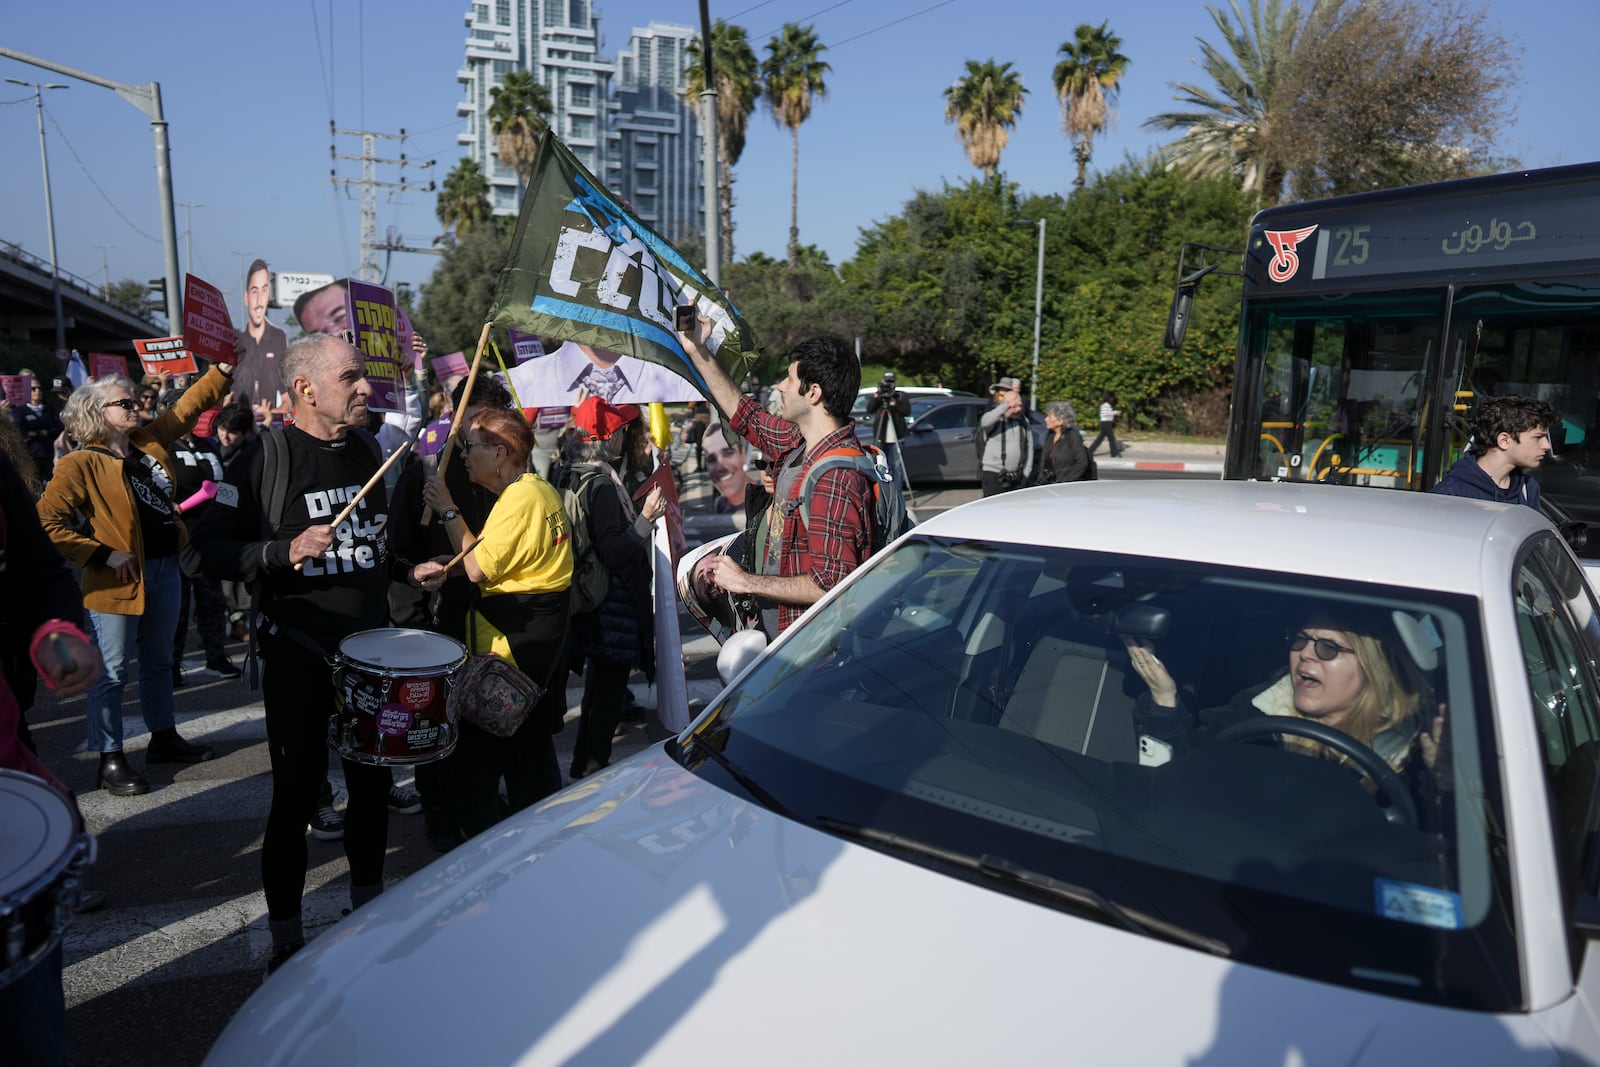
<point x="814" y="551"/>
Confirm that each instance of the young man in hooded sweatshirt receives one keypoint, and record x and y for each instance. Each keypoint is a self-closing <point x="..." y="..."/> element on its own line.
<point x="1510" y="439"/>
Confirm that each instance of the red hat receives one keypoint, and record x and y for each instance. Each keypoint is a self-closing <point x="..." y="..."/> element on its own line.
<point x="599" y="419"/>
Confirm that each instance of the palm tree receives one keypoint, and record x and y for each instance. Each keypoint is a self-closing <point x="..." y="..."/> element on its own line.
<point x="791" y="76"/>
<point x="517" y="117"/>
<point x="1087" y="80"/>
<point x="1242" y="126"/>
<point x="738" y="87"/>
<point x="985" y="106"/>
<point x="463" y="198"/>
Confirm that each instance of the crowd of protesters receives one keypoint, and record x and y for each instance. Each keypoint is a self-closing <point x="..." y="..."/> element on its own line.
<point x="156" y="512"/>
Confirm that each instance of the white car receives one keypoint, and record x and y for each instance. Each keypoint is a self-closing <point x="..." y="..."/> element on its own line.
<point x="917" y="394"/>
<point x="936" y="824"/>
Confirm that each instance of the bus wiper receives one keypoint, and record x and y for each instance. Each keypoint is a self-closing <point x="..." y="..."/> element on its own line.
<point x="1014" y="875"/>
<point x="743" y="777"/>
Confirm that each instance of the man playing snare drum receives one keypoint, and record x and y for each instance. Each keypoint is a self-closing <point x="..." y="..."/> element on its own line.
<point x="316" y="584"/>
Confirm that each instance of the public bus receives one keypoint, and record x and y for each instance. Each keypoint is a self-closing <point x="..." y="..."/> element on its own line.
<point x="1371" y="322"/>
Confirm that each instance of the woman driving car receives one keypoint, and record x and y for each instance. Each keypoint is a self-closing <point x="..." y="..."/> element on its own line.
<point x="1348" y="672"/>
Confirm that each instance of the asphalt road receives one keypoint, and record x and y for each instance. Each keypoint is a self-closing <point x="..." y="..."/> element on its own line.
<point x="155" y="976"/>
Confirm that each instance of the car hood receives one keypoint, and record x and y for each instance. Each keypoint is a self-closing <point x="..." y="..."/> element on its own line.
<point x="646" y="916"/>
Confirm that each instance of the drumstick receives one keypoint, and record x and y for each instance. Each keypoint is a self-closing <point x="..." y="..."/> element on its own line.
<point x="460" y="556"/>
<point x="365" y="489"/>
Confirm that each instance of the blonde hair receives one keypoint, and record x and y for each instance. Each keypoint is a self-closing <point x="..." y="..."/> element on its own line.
<point x="85" y="417"/>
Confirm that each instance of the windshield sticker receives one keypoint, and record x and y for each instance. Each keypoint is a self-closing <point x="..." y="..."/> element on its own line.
<point x="1419" y="904"/>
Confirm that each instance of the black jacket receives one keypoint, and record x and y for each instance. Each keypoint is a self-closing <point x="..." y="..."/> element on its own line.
<point x="1065" y="458"/>
<point x="898" y="408"/>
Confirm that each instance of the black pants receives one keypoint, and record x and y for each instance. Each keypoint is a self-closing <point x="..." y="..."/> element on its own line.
<point x="605" y="687"/>
<point x="536" y="626"/>
<point x="210" y="614"/>
<point x="1108" y="432"/>
<point x="297" y="690"/>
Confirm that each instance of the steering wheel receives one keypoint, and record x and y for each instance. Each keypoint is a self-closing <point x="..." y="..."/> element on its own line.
<point x="1402" y="808"/>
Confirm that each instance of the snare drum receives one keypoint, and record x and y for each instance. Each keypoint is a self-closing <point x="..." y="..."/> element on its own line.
<point x="43" y="854"/>
<point x="391" y="688"/>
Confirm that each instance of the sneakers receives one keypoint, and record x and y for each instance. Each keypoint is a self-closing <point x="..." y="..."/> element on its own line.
<point x="404" y="801"/>
<point x="224" y="666"/>
<point x="327" y="824"/>
<point x="280" y="955"/>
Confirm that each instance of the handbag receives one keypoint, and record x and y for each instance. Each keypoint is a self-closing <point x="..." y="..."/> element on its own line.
<point x="493" y="695"/>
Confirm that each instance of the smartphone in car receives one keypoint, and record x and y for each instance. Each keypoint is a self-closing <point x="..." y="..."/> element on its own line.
<point x="683" y="318"/>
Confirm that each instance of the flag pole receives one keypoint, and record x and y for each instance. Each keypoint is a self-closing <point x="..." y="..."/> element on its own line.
<point x="455" y="419"/>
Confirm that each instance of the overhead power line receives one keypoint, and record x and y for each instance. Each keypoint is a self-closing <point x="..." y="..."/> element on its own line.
<point x="84" y="167"/>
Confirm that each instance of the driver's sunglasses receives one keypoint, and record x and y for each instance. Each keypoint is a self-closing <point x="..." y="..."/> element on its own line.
<point x="1326" y="648"/>
<point x="124" y="404"/>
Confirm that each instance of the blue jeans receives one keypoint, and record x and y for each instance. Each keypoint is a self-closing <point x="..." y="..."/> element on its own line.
<point x="152" y="632"/>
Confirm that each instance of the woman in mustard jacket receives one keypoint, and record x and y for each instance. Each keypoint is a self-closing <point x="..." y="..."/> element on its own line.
<point x="126" y="537"/>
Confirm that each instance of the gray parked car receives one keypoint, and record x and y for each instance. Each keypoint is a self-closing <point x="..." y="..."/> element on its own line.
<point x="939" y="446"/>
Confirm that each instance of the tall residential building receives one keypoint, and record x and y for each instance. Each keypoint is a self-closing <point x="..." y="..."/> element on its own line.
<point x="559" y="40"/>
<point x="653" y="148"/>
<point x="623" y="118"/>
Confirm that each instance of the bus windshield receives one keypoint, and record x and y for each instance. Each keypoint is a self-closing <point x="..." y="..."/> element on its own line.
<point x="1373" y="388"/>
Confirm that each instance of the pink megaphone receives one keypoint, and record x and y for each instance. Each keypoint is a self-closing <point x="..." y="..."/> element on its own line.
<point x="207" y="493"/>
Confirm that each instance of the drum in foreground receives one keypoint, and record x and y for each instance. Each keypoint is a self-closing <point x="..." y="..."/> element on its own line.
<point x="43" y="854"/>
<point x="391" y="696"/>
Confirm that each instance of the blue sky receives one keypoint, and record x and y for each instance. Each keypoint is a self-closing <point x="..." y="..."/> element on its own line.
<point x="249" y="90"/>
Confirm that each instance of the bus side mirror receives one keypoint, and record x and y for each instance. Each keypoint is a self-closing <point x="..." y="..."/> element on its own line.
<point x="1178" y="317"/>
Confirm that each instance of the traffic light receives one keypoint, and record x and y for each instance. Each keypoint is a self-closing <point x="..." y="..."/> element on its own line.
<point x="158" y="294"/>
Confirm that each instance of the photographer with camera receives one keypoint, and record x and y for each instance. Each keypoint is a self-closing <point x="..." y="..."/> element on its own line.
<point x="1007" y="437"/>
<point x="890" y="408"/>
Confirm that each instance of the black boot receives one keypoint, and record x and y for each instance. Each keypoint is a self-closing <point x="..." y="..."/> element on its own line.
<point x="118" y="777"/>
<point x="167" y="747"/>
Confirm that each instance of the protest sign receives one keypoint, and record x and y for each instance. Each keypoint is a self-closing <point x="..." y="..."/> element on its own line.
<point x="524" y="346"/>
<point x="206" y="325"/>
<point x="103" y="365"/>
<point x="18" y="388"/>
<point x="165" y="355"/>
<point x="369" y="309"/>
<point x="451" y="366"/>
<point x="403" y="334"/>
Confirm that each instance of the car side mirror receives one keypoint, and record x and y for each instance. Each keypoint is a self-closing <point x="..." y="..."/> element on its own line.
<point x="921" y="427"/>
<point x="1576" y="535"/>
<point x="738" y="652"/>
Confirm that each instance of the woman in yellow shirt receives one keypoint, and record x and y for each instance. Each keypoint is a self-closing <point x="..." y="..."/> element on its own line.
<point x="522" y="563"/>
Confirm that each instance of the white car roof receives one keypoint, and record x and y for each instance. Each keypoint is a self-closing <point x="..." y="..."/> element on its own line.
<point x="1413" y="540"/>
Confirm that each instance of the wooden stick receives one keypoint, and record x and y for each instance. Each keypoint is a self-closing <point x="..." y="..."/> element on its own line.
<point x="365" y="489"/>
<point x="459" y="557"/>
<point x="455" y="421"/>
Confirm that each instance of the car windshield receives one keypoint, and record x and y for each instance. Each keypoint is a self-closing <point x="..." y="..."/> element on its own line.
<point x="981" y="700"/>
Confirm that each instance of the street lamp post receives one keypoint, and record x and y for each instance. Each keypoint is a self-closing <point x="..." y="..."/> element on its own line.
<point x="49" y="212"/>
<point x="1038" y="311"/>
